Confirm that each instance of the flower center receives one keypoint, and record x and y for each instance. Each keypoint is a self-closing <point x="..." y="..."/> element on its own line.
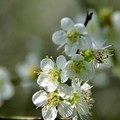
<point x="76" y="97"/>
<point x="88" y="99"/>
<point x="52" y="99"/>
<point x="77" y="66"/>
<point x="100" y="56"/>
<point x="73" y="35"/>
<point x="83" y="97"/>
<point x="54" y="74"/>
<point x="87" y="54"/>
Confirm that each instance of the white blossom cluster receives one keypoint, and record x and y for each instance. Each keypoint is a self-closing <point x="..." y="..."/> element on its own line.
<point x="64" y="88"/>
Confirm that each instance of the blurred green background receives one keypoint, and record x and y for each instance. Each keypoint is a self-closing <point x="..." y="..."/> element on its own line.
<point x="26" y="26"/>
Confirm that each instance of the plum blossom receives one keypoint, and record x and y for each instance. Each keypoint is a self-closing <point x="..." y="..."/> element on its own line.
<point x="72" y="36"/>
<point x="82" y="100"/>
<point x="78" y="68"/>
<point x="52" y="73"/>
<point x="97" y="53"/>
<point x="54" y="102"/>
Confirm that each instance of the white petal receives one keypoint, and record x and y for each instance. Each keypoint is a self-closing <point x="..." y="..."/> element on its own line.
<point x="68" y="49"/>
<point x="60" y="61"/>
<point x="51" y="86"/>
<point x="90" y="70"/>
<point x="49" y="113"/>
<point x="74" y="116"/>
<point x="85" y="87"/>
<point x="39" y="98"/>
<point x="48" y="84"/>
<point x="65" y="109"/>
<point x="66" y="23"/>
<point x="74" y="48"/>
<point x="65" y="91"/>
<point x="83" y="108"/>
<point x="76" y="83"/>
<point x="64" y="77"/>
<point x="81" y="28"/>
<point x="40" y="79"/>
<point x="59" y="37"/>
<point x="98" y="44"/>
<point x="46" y="64"/>
<point x="69" y="72"/>
<point x="71" y="48"/>
<point x="86" y="43"/>
<point x="77" y="57"/>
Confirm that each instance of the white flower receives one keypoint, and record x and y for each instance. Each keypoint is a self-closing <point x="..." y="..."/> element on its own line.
<point x="78" y="68"/>
<point x="102" y="53"/>
<point x="52" y="73"/>
<point x="72" y="36"/>
<point x="54" y="102"/>
<point x="96" y="53"/>
<point x="25" y="69"/>
<point x="6" y="88"/>
<point x="81" y="100"/>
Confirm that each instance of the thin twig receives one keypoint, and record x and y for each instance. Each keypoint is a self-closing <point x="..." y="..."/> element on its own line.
<point x="88" y="18"/>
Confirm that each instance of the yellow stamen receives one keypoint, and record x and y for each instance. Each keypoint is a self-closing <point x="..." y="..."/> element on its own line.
<point x="36" y="72"/>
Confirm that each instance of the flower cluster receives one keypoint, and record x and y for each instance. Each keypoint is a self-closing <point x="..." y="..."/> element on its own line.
<point x="64" y="87"/>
